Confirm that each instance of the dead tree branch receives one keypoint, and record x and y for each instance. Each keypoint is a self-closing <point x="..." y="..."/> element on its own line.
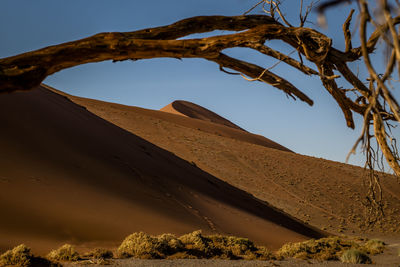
<point x="375" y="103"/>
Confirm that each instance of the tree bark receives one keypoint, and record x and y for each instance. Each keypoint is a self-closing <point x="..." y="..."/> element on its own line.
<point x="28" y="70"/>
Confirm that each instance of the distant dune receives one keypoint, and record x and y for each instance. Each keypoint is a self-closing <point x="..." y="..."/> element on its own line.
<point x="195" y="111"/>
<point x="67" y="175"/>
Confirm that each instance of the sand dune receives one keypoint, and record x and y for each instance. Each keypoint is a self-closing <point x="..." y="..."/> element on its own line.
<point x="67" y="175"/>
<point x="326" y="194"/>
<point x="192" y="110"/>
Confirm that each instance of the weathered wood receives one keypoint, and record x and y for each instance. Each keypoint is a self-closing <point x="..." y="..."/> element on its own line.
<point x="28" y="70"/>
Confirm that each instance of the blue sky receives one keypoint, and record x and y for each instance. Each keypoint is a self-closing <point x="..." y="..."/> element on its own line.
<point x="318" y="131"/>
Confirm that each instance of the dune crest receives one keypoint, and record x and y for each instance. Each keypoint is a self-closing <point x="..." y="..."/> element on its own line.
<point x="192" y="110"/>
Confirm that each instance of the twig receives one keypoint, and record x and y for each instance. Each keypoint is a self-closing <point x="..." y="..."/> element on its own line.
<point x="281" y="57"/>
<point x="276" y="5"/>
<point x="253" y="7"/>
<point x="254" y="71"/>
<point x="346" y="31"/>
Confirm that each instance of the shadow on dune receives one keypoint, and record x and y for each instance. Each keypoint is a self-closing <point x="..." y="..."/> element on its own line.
<point x="78" y="177"/>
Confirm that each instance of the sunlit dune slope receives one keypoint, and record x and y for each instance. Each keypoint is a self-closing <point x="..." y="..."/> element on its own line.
<point x="68" y="176"/>
<point x="326" y="194"/>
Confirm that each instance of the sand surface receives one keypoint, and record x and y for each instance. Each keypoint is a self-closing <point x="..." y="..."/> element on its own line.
<point x="69" y="176"/>
<point x="87" y="172"/>
<point x="323" y="193"/>
<point x="389" y="258"/>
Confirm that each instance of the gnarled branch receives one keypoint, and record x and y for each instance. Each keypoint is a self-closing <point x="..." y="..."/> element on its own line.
<point x="26" y="71"/>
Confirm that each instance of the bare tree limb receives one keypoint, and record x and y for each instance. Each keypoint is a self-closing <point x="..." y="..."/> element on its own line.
<point x="254" y="71"/>
<point x="337" y="94"/>
<point x="375" y="103"/>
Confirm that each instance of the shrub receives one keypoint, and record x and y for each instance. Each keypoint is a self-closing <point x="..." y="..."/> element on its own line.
<point x="262" y="253"/>
<point x="374" y="246"/>
<point x="332" y="248"/>
<point x="191" y="246"/>
<point x="22" y="256"/>
<point x="322" y="249"/>
<point x="141" y="245"/>
<point x="64" y="253"/>
<point x="355" y="256"/>
<point x="198" y="245"/>
<point x="18" y="256"/>
<point x="171" y="244"/>
<point x="232" y="245"/>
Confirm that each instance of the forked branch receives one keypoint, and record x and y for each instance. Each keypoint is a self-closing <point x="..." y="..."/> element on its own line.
<point x="28" y="70"/>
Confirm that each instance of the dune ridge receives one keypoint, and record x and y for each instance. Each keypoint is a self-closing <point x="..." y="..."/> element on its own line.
<point x="192" y="110"/>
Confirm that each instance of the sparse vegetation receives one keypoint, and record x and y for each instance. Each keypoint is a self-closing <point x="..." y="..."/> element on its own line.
<point x="144" y="246"/>
<point x="195" y="245"/>
<point x="321" y="249"/>
<point x="332" y="248"/>
<point x="355" y="256"/>
<point x="18" y="256"/>
<point x="64" y="253"/>
<point x="22" y="256"/>
<point x="190" y="246"/>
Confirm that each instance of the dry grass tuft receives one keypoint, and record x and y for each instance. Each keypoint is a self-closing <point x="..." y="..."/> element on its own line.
<point x="18" y="256"/>
<point x="64" y="253"/>
<point x="355" y="256"/>
<point x="190" y="246"/>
